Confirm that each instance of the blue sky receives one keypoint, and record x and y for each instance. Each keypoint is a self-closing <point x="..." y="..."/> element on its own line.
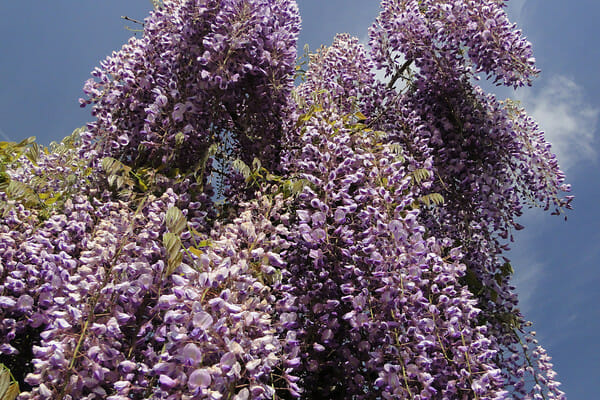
<point x="47" y="50"/>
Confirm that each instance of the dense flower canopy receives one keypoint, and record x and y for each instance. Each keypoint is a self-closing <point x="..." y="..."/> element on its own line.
<point x="218" y="233"/>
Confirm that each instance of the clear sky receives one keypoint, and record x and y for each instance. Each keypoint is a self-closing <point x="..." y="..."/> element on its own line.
<point x="47" y="50"/>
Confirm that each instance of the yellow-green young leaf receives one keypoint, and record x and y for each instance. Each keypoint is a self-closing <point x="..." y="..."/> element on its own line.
<point x="111" y="179"/>
<point x="12" y="392"/>
<point x="9" y="388"/>
<point x="256" y="164"/>
<point x="174" y="255"/>
<point x="142" y="185"/>
<point x="360" y="116"/>
<point x="33" y="154"/>
<point x="241" y="167"/>
<point x="432" y="198"/>
<point x="421" y="174"/>
<point x="18" y="190"/>
<point x="175" y="220"/>
<point x="273" y="178"/>
<point x="124" y="194"/>
<point x="4" y="380"/>
<point x="195" y="251"/>
<point x="298" y="186"/>
<point x="72" y="179"/>
<point x="396" y="148"/>
<point x="110" y="165"/>
<point x="179" y="138"/>
<point x="212" y="150"/>
<point x="205" y="243"/>
<point x="172" y="243"/>
<point x="173" y="263"/>
<point x="26" y="142"/>
<point x="4" y="181"/>
<point x="52" y="200"/>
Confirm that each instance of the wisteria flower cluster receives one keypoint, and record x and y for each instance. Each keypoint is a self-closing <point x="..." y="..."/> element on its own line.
<point x="449" y="38"/>
<point x="201" y="69"/>
<point x="355" y="249"/>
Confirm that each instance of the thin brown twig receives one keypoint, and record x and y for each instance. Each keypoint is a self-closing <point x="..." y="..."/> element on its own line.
<point x="126" y="18"/>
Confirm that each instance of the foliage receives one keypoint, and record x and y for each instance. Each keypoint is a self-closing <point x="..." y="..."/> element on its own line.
<point x="9" y="388"/>
<point x="217" y="233"/>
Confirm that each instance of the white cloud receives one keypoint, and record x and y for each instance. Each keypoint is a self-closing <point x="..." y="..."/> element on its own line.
<point x="527" y="278"/>
<point x="4" y="136"/>
<point x="568" y="120"/>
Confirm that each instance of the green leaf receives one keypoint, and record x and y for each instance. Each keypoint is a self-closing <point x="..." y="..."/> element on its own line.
<point x="493" y="295"/>
<point x="473" y="282"/>
<point x="509" y="319"/>
<point x="507" y="269"/>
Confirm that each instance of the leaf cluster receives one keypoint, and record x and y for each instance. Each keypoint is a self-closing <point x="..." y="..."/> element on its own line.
<point x="9" y="387"/>
<point x="60" y="172"/>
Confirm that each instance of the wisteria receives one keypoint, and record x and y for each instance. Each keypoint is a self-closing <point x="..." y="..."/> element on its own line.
<point x="201" y="69"/>
<point x="217" y="233"/>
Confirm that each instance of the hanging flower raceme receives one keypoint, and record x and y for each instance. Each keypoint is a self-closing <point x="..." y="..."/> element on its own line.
<point x="203" y="71"/>
<point x="341" y="76"/>
<point x="110" y="303"/>
<point x="379" y="307"/>
<point x="488" y="157"/>
<point x="447" y="37"/>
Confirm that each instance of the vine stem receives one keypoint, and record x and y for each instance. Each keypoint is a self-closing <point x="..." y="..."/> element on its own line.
<point x="462" y="337"/>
